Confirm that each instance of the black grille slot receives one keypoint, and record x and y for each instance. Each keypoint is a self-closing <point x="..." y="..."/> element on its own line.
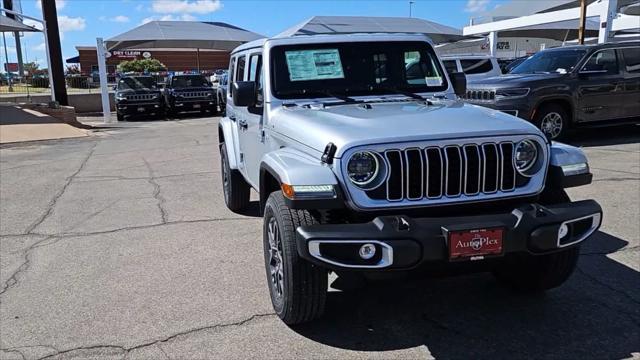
<point x="507" y="169"/>
<point x="415" y="173"/>
<point x="395" y="182"/>
<point x="490" y="168"/>
<point x="453" y="170"/>
<point x="473" y="169"/>
<point x="434" y="172"/>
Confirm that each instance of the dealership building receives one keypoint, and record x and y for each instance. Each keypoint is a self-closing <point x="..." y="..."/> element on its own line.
<point x="179" y="45"/>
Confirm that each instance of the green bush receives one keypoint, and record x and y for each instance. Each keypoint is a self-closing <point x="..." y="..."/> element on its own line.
<point x="142" y="65"/>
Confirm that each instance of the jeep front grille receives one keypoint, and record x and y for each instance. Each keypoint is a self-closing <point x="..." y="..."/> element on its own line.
<point x="480" y="95"/>
<point x="140" y="97"/>
<point x="449" y="171"/>
<point x="194" y="94"/>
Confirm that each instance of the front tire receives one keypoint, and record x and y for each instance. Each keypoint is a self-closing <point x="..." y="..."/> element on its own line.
<point x="235" y="188"/>
<point x="298" y="288"/>
<point x="553" y="120"/>
<point x="537" y="273"/>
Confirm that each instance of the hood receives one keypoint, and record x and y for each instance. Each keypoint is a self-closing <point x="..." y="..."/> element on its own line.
<point x="512" y="80"/>
<point x="352" y="125"/>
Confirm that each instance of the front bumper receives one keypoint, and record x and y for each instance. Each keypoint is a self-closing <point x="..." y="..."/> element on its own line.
<point x="128" y="109"/>
<point x="404" y="243"/>
<point x="194" y="105"/>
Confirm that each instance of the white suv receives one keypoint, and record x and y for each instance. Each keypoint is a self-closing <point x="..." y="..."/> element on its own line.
<point x="475" y="67"/>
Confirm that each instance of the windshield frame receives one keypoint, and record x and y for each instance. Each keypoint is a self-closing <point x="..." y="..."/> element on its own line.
<point x="277" y="55"/>
<point x="204" y="79"/>
<point x="580" y="53"/>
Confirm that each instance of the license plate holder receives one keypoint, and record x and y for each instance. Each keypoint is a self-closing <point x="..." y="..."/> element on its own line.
<point x="196" y="106"/>
<point x="474" y="243"/>
<point x="142" y="109"/>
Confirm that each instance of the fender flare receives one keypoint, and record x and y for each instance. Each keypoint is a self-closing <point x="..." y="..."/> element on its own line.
<point x="225" y="127"/>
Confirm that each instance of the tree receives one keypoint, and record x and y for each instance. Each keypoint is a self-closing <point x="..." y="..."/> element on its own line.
<point x="31" y="68"/>
<point x="142" y="65"/>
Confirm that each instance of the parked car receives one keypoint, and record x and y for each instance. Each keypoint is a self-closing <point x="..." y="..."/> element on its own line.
<point x="475" y="67"/>
<point x="189" y="93"/>
<point x="221" y="91"/>
<point x="217" y="75"/>
<point x="368" y="168"/>
<point x="138" y="96"/>
<point x="560" y="88"/>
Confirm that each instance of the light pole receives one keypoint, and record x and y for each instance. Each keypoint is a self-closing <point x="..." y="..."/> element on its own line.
<point x="410" y="6"/>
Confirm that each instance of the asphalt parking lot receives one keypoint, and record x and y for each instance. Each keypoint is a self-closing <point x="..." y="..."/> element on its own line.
<point x="119" y="246"/>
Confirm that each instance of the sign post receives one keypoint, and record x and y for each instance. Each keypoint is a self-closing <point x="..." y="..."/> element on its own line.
<point x="102" y="70"/>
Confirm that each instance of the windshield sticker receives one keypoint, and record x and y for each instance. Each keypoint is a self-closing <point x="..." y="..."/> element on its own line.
<point x="314" y="65"/>
<point x="433" y="81"/>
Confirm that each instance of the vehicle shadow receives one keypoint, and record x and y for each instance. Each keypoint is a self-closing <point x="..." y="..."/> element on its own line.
<point x="594" y="315"/>
<point x="604" y="136"/>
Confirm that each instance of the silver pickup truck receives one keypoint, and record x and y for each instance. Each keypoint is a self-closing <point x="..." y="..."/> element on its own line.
<point x="368" y="165"/>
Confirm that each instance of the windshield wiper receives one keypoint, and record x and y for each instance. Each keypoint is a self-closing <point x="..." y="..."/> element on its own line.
<point x="405" y="93"/>
<point x="328" y="93"/>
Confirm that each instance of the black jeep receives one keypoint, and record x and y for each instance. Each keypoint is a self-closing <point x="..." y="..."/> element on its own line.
<point x="189" y="93"/>
<point x="138" y="96"/>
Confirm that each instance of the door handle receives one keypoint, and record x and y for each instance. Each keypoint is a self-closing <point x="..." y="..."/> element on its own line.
<point x="243" y="124"/>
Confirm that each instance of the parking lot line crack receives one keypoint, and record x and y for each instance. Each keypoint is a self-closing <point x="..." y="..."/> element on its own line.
<point x="157" y="342"/>
<point x="61" y="192"/>
<point x="156" y="192"/>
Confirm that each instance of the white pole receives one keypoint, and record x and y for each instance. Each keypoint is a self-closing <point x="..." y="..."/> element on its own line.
<point x="607" y="13"/>
<point x="493" y="43"/>
<point x="46" y="42"/>
<point x="102" y="70"/>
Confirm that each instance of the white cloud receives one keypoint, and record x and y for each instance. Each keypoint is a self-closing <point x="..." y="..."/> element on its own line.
<point x="67" y="23"/>
<point x="139" y="7"/>
<point x="185" y="6"/>
<point x="476" y="6"/>
<point x="60" y="4"/>
<point x="33" y="23"/>
<point x="120" y="19"/>
<point x="40" y="47"/>
<point x="11" y="50"/>
<point x="169" y="17"/>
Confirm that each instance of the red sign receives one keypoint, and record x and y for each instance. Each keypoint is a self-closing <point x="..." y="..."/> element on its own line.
<point x="475" y="243"/>
<point x="11" y="67"/>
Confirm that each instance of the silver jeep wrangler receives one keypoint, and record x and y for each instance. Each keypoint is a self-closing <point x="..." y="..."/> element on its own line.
<point x="367" y="163"/>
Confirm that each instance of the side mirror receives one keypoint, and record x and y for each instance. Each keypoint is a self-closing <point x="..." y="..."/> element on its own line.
<point x="244" y="93"/>
<point x="459" y="82"/>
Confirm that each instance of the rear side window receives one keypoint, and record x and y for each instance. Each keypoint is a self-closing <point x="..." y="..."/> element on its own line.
<point x="632" y="59"/>
<point x="476" y="66"/>
<point x="450" y="65"/>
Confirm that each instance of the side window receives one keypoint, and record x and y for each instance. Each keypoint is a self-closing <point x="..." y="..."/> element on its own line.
<point x="604" y="61"/>
<point x="240" y="70"/>
<point x="632" y="59"/>
<point x="476" y="66"/>
<point x="255" y="75"/>
<point x="450" y="66"/>
<point x="232" y="68"/>
<point x="421" y="70"/>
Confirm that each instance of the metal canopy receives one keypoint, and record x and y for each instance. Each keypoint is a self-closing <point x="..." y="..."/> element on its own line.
<point x="10" y="25"/>
<point x="560" y="31"/>
<point x="182" y="35"/>
<point x="363" y="24"/>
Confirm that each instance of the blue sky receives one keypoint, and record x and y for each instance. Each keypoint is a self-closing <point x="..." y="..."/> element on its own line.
<point x="81" y="21"/>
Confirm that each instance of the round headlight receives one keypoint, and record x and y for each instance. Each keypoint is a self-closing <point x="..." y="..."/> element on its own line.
<point x="363" y="168"/>
<point x="525" y="155"/>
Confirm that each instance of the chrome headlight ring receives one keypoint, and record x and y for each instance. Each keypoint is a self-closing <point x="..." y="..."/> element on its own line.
<point x="525" y="157"/>
<point x="366" y="176"/>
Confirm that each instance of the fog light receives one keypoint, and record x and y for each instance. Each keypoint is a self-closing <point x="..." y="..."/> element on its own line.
<point x="367" y="251"/>
<point x="564" y="230"/>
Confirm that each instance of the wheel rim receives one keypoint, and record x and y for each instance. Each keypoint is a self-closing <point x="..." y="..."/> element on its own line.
<point x="276" y="269"/>
<point x="552" y="124"/>
<point x="225" y="178"/>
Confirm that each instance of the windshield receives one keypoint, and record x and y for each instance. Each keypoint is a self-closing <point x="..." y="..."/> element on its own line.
<point x="186" y="81"/>
<point x="546" y="62"/>
<point x="137" y="83"/>
<point x="360" y="68"/>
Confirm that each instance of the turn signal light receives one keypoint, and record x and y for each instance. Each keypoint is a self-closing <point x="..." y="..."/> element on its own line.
<point x="308" y="191"/>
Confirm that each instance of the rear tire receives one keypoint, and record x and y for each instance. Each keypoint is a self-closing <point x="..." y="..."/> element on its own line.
<point x="235" y="189"/>
<point x="553" y="120"/>
<point x="298" y="288"/>
<point x="119" y="116"/>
